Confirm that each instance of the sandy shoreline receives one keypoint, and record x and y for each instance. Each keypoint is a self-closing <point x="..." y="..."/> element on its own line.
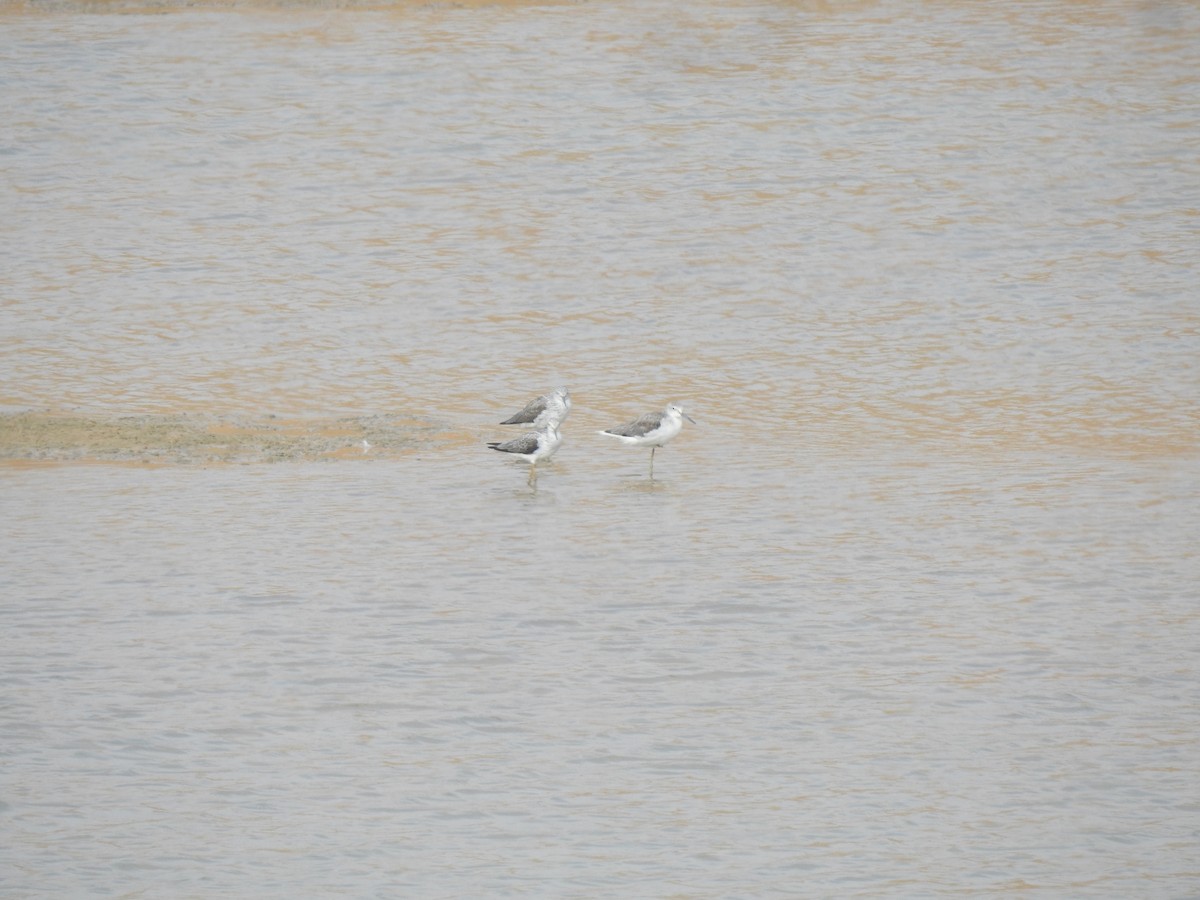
<point x="191" y="439"/>
<point x="144" y="7"/>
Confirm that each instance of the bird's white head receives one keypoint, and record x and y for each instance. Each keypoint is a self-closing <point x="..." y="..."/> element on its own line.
<point x="676" y="411"/>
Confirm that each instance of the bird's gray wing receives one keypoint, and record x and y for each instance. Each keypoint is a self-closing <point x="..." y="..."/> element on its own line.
<point x="532" y="410"/>
<point x="638" y="427"/>
<point x="526" y="443"/>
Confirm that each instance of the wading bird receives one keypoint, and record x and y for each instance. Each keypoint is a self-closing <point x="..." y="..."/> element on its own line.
<point x="552" y="407"/>
<point x="532" y="447"/>
<point x="652" y="430"/>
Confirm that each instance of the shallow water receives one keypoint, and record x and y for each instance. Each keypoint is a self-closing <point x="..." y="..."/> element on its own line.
<point x="911" y="611"/>
<point x="901" y="677"/>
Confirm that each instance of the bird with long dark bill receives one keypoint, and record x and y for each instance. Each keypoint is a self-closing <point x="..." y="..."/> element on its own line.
<point x="651" y="430"/>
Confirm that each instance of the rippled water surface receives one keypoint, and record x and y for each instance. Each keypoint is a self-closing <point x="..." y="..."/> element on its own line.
<point x="911" y="611"/>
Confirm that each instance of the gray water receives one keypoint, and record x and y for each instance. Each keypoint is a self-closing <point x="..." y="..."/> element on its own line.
<point x="911" y="611"/>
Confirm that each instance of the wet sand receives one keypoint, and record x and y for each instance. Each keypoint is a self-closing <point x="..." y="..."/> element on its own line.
<point x="148" y="7"/>
<point x="196" y="439"/>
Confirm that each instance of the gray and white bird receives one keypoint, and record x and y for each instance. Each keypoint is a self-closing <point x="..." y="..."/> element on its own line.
<point x="532" y="447"/>
<point x="652" y="430"/>
<point x="552" y="407"/>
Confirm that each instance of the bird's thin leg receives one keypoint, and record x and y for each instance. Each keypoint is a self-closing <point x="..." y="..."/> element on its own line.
<point x="533" y="474"/>
<point x="652" y="449"/>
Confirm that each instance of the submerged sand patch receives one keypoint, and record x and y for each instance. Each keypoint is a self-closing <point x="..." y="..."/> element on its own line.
<point x="189" y="439"/>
